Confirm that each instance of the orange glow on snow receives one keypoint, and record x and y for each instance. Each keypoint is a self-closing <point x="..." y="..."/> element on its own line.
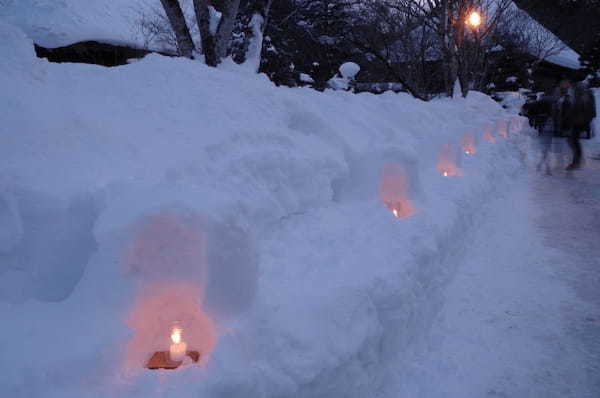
<point x="168" y="245"/>
<point x="502" y="128"/>
<point x="488" y="135"/>
<point x="469" y="144"/>
<point x="393" y="191"/>
<point x="447" y="163"/>
<point x="168" y="256"/>
<point x="156" y="309"/>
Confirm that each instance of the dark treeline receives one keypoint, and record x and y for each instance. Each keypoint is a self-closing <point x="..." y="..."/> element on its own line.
<point x="426" y="45"/>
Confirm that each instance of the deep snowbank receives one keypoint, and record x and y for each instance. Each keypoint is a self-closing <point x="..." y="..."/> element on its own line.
<point x="270" y="196"/>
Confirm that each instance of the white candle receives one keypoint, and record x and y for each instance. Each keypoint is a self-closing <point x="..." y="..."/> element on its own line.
<point x="178" y="349"/>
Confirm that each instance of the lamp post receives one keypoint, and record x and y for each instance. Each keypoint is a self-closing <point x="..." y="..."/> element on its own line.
<point x="471" y="52"/>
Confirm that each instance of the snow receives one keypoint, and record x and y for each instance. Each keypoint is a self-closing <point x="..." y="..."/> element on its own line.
<point x="264" y="199"/>
<point x="567" y="58"/>
<point x="457" y="89"/>
<point x="513" y="101"/>
<point x="54" y="23"/>
<point x="215" y="18"/>
<point x="305" y="78"/>
<point x="520" y="319"/>
<point x="255" y="45"/>
<point x="342" y="80"/>
<point x="349" y="70"/>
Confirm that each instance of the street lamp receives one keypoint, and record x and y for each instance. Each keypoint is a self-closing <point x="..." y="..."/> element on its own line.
<point x="474" y="19"/>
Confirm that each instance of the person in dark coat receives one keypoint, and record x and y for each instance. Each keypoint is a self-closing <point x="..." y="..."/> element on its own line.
<point x="574" y="110"/>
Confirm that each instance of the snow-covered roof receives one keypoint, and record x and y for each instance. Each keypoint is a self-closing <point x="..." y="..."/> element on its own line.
<point x="567" y="58"/>
<point x="52" y="23"/>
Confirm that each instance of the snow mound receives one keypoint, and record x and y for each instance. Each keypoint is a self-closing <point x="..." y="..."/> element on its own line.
<point x="349" y="70"/>
<point x="264" y="200"/>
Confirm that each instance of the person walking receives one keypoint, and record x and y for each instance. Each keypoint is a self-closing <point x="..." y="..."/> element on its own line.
<point x="539" y="113"/>
<point x="574" y="111"/>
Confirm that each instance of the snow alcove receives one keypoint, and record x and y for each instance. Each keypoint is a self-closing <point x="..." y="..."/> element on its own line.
<point x="394" y="191"/>
<point x="448" y="161"/>
<point x="488" y="134"/>
<point x="468" y="144"/>
<point x="502" y="128"/>
<point x="188" y="283"/>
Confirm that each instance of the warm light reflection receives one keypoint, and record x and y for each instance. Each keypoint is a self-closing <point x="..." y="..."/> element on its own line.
<point x="447" y="162"/>
<point x="468" y="144"/>
<point x="393" y="191"/>
<point x="502" y="128"/>
<point x="488" y="135"/>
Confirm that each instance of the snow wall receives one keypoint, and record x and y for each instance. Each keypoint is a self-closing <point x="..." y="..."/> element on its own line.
<point x="260" y="209"/>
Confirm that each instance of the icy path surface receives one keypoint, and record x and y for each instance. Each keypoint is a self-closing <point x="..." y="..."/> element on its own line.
<point x="522" y="316"/>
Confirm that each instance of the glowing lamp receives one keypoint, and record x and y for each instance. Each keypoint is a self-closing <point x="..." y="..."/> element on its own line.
<point x="474" y="19"/>
<point x="177" y="350"/>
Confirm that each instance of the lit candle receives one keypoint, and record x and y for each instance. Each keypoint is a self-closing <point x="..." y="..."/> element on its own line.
<point x="178" y="349"/>
<point x="445" y="174"/>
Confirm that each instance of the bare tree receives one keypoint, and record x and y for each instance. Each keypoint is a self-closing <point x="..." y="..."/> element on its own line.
<point x="207" y="33"/>
<point x="398" y="42"/>
<point x="529" y="36"/>
<point x="462" y="49"/>
<point x="229" y="13"/>
<point x="185" y="45"/>
<point x="215" y="21"/>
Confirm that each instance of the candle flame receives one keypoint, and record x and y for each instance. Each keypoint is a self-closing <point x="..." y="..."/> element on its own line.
<point x="395" y="212"/>
<point x="176" y="335"/>
<point x="445" y="174"/>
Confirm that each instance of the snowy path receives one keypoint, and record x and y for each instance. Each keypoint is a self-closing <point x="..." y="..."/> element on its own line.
<point x="522" y="316"/>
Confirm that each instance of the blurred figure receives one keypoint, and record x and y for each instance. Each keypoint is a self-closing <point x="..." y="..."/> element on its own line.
<point x="539" y="113"/>
<point x="573" y="112"/>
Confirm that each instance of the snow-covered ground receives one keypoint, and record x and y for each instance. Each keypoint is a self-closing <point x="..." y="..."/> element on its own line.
<point x="252" y="214"/>
<point x="522" y="316"/>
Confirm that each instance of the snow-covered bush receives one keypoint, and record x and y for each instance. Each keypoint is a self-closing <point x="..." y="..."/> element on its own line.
<point x="344" y="80"/>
